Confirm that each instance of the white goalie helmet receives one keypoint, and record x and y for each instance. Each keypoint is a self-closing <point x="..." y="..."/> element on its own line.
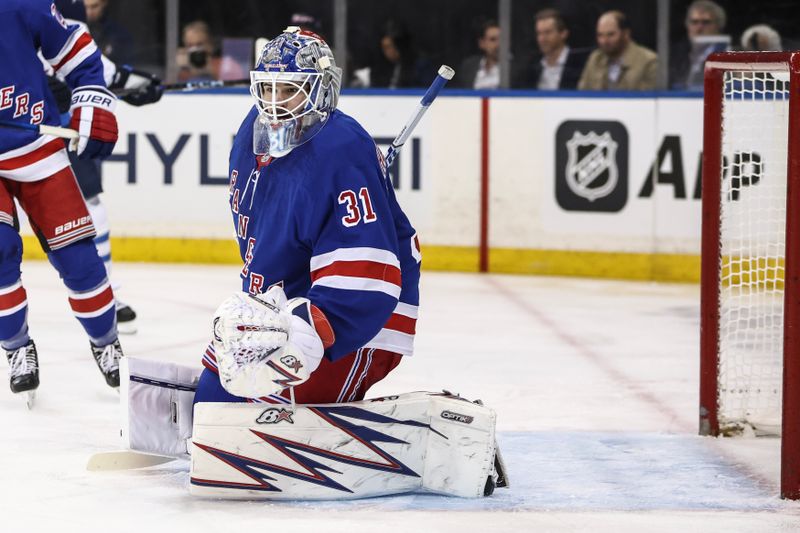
<point x="296" y="86"/>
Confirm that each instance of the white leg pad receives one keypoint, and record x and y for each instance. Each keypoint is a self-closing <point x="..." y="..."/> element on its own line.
<point x="157" y="405"/>
<point x="460" y="464"/>
<point x="416" y="442"/>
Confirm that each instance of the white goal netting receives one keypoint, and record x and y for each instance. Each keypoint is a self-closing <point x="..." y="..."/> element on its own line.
<point x="752" y="237"/>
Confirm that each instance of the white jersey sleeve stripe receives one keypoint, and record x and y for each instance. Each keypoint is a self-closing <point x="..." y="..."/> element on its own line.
<point x="354" y="254"/>
<point x="76" y="60"/>
<point x="67" y="48"/>
<point x="393" y="341"/>
<point x="358" y="284"/>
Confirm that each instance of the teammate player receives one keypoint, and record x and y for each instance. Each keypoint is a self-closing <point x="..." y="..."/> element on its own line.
<point x="316" y="217"/>
<point x="35" y="170"/>
<point x="139" y="89"/>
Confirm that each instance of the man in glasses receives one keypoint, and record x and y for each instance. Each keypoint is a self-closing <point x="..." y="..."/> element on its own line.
<point x="705" y="21"/>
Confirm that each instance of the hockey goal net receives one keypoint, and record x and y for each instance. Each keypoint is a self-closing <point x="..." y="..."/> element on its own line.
<point x="750" y="286"/>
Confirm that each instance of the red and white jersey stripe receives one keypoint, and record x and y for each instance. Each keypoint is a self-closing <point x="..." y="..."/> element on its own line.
<point x="210" y="359"/>
<point x="78" y="47"/>
<point x="12" y="298"/>
<point x="397" y="335"/>
<point x="92" y="303"/>
<point x="35" y="161"/>
<point x="362" y="269"/>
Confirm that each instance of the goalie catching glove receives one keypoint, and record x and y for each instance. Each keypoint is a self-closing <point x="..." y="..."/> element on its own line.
<point x="264" y="343"/>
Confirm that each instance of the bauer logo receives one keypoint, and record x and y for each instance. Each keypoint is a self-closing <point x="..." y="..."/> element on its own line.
<point x="274" y="415"/>
<point x="591" y="165"/>
<point x="450" y="415"/>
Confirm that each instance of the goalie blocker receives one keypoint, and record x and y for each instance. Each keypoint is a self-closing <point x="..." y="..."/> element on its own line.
<point x="414" y="442"/>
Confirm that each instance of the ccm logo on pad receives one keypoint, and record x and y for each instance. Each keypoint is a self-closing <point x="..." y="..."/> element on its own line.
<point x="450" y="415"/>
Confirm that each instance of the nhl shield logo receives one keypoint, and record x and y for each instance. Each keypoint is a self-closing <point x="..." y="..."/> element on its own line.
<point x="591" y="165"/>
<point x="592" y="172"/>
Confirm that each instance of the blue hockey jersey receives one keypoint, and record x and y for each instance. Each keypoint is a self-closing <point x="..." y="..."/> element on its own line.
<point x="27" y="27"/>
<point x="324" y="223"/>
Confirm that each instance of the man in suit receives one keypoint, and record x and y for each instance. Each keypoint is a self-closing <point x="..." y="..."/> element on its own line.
<point x="618" y="63"/>
<point x="558" y="66"/>
<point x="482" y="71"/>
<point x="704" y="18"/>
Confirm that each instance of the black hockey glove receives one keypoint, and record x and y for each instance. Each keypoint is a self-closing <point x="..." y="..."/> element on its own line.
<point x="136" y="87"/>
<point x="61" y="92"/>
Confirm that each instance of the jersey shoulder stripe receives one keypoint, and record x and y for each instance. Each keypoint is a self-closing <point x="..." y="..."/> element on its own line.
<point x="78" y="47"/>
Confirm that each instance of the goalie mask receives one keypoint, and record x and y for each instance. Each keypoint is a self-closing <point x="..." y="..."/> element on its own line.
<point x="296" y="86"/>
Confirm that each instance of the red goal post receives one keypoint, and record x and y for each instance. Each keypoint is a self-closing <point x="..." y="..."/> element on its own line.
<point x="750" y="286"/>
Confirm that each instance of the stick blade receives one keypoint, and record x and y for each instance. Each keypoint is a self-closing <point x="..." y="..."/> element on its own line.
<point x="124" y="460"/>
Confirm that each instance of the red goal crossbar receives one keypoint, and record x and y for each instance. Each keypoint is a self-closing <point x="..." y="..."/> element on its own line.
<point x="715" y="68"/>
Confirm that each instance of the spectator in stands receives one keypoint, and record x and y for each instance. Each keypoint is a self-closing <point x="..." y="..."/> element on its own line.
<point x="195" y="56"/>
<point x="113" y="40"/>
<point x="200" y="59"/>
<point x="761" y="37"/>
<point x="398" y="63"/>
<point x="704" y="19"/>
<point x="482" y="71"/>
<point x="558" y="66"/>
<point x="618" y="63"/>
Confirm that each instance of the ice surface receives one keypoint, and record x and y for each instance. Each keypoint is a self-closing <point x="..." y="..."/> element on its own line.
<point x="594" y="382"/>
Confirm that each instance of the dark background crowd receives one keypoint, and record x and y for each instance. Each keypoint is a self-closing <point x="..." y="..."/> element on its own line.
<point x="555" y="44"/>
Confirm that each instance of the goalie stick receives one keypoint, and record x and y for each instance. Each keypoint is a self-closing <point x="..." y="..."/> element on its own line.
<point x="124" y="460"/>
<point x="442" y="77"/>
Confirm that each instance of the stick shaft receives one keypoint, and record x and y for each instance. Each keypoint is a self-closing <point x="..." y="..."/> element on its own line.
<point x="204" y="84"/>
<point x="43" y="129"/>
<point x="444" y="75"/>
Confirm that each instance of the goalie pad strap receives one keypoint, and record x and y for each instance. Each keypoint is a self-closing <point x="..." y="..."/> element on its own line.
<point x="408" y="443"/>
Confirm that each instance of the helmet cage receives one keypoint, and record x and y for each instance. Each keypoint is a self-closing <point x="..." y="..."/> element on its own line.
<point x="267" y="87"/>
<point x="296" y="86"/>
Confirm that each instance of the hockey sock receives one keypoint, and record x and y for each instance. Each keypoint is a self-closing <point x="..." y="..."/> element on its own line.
<point x="90" y="294"/>
<point x="13" y="300"/>
<point x="102" y="241"/>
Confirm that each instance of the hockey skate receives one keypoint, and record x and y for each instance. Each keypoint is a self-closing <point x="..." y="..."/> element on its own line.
<point x="107" y="359"/>
<point x="126" y="318"/>
<point x="24" y="371"/>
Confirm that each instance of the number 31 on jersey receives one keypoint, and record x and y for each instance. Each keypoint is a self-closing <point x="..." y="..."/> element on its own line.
<point x="359" y="207"/>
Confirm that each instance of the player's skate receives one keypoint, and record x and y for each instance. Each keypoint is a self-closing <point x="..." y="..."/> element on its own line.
<point x="126" y="318"/>
<point x="107" y="359"/>
<point x="24" y="370"/>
